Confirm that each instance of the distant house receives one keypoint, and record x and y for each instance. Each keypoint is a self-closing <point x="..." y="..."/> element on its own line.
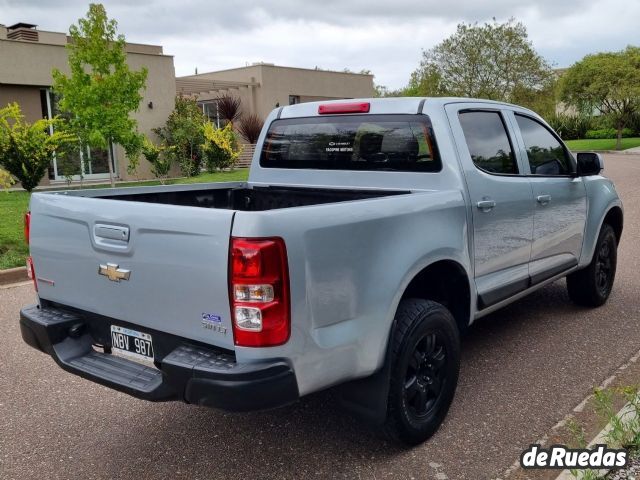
<point x="262" y="87"/>
<point x="27" y="56"/>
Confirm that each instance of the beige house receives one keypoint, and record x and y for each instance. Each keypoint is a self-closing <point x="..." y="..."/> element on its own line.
<point x="262" y="87"/>
<point x="28" y="55"/>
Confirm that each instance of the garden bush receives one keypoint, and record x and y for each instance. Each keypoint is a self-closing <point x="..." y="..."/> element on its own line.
<point x="156" y="156"/>
<point x="221" y="149"/>
<point x="183" y="135"/>
<point x="27" y="149"/>
<point x="605" y="133"/>
<point x="570" y="127"/>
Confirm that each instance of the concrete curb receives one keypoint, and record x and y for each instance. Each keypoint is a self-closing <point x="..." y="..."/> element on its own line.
<point x="13" y="275"/>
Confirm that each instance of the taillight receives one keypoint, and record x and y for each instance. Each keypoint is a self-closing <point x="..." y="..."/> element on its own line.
<point x="31" y="272"/>
<point x="27" y="226"/>
<point x="350" y="107"/>
<point x="259" y="290"/>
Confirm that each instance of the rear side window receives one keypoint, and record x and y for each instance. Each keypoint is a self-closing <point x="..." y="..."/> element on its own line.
<point x="352" y="142"/>
<point x="488" y="142"/>
<point x="547" y="156"/>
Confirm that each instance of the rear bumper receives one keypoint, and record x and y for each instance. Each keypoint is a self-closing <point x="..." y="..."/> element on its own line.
<point x="183" y="371"/>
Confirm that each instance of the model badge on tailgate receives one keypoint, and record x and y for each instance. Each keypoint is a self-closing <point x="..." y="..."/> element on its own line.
<point x="213" y="322"/>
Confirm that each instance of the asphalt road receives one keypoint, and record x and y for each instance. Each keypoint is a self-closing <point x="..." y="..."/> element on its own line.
<point x="522" y="370"/>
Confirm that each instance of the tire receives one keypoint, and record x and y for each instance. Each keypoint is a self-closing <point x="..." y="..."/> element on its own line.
<point x="591" y="286"/>
<point x="425" y="361"/>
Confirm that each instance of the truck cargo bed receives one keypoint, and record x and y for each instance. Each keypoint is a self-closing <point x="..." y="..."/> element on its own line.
<point x="251" y="199"/>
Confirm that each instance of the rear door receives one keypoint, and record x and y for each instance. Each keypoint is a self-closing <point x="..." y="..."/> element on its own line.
<point x="174" y="259"/>
<point x="560" y="199"/>
<point x="501" y="200"/>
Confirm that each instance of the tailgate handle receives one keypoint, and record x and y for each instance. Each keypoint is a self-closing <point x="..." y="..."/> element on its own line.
<point x="112" y="232"/>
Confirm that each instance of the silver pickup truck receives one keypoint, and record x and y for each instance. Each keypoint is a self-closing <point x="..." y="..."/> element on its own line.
<point x="370" y="234"/>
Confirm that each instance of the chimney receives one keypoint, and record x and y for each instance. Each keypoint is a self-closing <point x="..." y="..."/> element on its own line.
<point x="22" y="31"/>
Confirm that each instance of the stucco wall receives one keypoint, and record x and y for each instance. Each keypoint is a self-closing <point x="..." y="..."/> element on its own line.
<point x="277" y="83"/>
<point x="27" y="97"/>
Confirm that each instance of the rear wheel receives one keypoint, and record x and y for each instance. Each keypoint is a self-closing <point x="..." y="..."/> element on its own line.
<point x="592" y="286"/>
<point x="424" y="370"/>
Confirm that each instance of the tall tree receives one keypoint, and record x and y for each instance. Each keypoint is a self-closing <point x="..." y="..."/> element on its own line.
<point x="607" y="82"/>
<point x="494" y="61"/>
<point x="101" y="91"/>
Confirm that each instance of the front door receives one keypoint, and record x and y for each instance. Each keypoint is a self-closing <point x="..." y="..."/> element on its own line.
<point x="560" y="200"/>
<point x="501" y="201"/>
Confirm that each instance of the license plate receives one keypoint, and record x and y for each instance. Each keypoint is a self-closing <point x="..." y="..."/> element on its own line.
<point x="132" y="343"/>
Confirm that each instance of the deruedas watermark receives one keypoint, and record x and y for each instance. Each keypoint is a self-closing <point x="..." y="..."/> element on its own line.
<point x="560" y="456"/>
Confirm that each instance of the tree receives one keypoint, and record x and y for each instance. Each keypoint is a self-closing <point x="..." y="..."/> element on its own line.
<point x="607" y="82"/>
<point x="27" y="149"/>
<point x="101" y="91"/>
<point x="183" y="135"/>
<point x="494" y="61"/>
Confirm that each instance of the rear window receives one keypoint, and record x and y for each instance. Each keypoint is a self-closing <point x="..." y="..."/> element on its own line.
<point x="354" y="142"/>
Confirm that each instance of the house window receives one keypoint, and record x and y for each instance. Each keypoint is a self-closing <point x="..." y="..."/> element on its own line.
<point x="85" y="162"/>
<point x="293" y="99"/>
<point x="210" y="109"/>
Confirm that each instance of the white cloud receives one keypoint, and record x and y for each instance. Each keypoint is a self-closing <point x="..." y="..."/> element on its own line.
<point x="384" y="37"/>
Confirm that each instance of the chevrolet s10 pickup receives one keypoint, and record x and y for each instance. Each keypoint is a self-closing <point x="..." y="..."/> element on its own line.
<point x="370" y="234"/>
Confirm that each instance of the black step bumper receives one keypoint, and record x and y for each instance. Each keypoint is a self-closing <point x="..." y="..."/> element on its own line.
<point x="183" y="370"/>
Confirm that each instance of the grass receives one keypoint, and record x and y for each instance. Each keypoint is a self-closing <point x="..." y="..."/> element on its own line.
<point x="601" y="144"/>
<point x="13" y="205"/>
<point x="13" y="249"/>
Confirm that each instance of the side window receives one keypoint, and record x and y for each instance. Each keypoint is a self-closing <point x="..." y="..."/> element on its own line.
<point x="547" y="156"/>
<point x="488" y="141"/>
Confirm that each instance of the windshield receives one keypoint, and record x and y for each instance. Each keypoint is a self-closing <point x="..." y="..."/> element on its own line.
<point x="352" y="142"/>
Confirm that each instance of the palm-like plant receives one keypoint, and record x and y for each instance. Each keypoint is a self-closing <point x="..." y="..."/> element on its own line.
<point x="229" y="108"/>
<point x="250" y="127"/>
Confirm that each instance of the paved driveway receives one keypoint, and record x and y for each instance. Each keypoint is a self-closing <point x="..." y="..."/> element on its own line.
<point x="523" y="369"/>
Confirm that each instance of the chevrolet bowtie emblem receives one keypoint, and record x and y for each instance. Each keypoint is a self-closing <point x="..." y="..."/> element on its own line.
<point x="113" y="273"/>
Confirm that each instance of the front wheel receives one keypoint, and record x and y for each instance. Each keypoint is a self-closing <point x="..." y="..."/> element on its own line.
<point x="424" y="370"/>
<point x="591" y="286"/>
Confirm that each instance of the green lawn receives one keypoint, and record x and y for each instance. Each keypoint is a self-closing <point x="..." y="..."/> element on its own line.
<point x="13" y="205"/>
<point x="601" y="144"/>
<point x="13" y="249"/>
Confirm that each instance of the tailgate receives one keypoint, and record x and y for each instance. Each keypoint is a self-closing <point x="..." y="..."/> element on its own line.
<point x="176" y="257"/>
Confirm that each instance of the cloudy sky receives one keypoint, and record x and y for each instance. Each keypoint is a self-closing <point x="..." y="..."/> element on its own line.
<point x="384" y="37"/>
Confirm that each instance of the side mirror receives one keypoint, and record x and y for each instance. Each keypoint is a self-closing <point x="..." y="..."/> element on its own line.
<point x="589" y="163"/>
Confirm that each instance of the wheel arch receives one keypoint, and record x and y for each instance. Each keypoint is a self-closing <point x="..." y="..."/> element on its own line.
<point x="446" y="282"/>
<point x="614" y="217"/>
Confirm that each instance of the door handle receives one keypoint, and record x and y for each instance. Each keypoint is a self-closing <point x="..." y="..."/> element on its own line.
<point x="543" y="199"/>
<point x="486" y="205"/>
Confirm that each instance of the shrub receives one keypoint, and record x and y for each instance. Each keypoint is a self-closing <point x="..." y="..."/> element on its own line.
<point x="183" y="135"/>
<point x="250" y="127"/>
<point x="221" y="149"/>
<point x="6" y="180"/>
<point x="601" y="121"/>
<point x="156" y="156"/>
<point x="634" y="124"/>
<point x="608" y="133"/>
<point x="27" y="149"/>
<point x="570" y="127"/>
